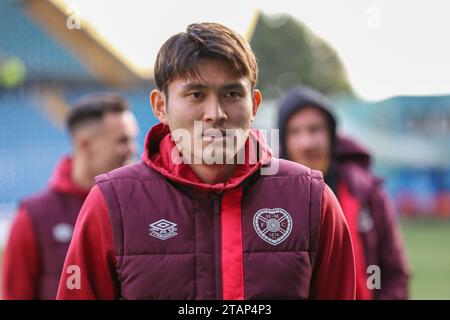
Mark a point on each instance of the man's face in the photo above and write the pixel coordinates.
(113, 145)
(308, 139)
(218, 99)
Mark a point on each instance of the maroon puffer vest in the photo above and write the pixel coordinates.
(53, 215)
(187, 265)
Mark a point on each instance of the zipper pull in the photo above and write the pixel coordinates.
(217, 202)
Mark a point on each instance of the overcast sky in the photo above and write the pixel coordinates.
(389, 47)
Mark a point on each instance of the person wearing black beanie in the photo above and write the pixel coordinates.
(308, 136)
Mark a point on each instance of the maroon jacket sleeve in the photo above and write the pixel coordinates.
(21, 260)
(89, 269)
(395, 272)
(334, 270)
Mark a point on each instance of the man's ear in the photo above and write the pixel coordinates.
(256, 100)
(158, 102)
(82, 141)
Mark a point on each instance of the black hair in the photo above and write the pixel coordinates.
(93, 107)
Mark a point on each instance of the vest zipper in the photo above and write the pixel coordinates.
(217, 199)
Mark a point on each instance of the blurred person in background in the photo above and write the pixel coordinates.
(103, 132)
(308, 136)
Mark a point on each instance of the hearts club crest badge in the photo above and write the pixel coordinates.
(272, 225)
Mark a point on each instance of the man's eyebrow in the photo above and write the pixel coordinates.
(194, 86)
(200, 86)
(234, 86)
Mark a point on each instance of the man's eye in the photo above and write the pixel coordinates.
(196, 94)
(293, 132)
(315, 129)
(233, 94)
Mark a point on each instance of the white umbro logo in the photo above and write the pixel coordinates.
(163, 229)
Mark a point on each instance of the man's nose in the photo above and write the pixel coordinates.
(214, 111)
(306, 142)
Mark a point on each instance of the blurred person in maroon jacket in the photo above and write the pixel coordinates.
(308, 136)
(103, 131)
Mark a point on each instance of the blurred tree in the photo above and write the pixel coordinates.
(289, 53)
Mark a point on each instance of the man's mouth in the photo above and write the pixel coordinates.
(211, 135)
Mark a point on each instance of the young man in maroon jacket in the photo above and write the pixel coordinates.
(308, 136)
(103, 131)
(209, 213)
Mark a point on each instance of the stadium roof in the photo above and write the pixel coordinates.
(43, 56)
(134, 34)
(36, 31)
